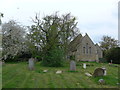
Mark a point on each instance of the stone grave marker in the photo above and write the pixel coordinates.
(98, 72)
(72, 66)
(31, 64)
(101, 81)
(88, 74)
(58, 72)
(45, 71)
(84, 65)
(105, 72)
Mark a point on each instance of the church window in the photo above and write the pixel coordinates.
(90, 50)
(84, 50)
(87, 48)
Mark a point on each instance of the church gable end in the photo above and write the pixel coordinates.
(87, 45)
(84, 49)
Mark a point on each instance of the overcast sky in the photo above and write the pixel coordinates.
(95, 17)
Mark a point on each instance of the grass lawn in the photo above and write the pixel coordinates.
(17, 75)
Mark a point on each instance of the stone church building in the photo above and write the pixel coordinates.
(83, 49)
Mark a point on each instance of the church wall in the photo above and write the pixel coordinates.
(99, 51)
(86, 50)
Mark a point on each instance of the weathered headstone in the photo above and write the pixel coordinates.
(98, 72)
(72, 66)
(84, 65)
(105, 72)
(88, 74)
(31, 64)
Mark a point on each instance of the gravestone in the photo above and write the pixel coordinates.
(105, 72)
(88, 74)
(72, 66)
(45, 71)
(84, 65)
(98, 72)
(101, 81)
(58, 72)
(31, 64)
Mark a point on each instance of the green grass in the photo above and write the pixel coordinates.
(17, 75)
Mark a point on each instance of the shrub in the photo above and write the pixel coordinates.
(22, 56)
(102, 60)
(114, 55)
(72, 57)
(53, 58)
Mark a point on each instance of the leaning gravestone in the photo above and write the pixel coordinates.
(98, 72)
(59, 72)
(31, 64)
(88, 74)
(72, 66)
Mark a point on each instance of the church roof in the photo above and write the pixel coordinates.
(98, 46)
(75, 42)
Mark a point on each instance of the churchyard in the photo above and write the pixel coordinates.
(18, 75)
(40, 55)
